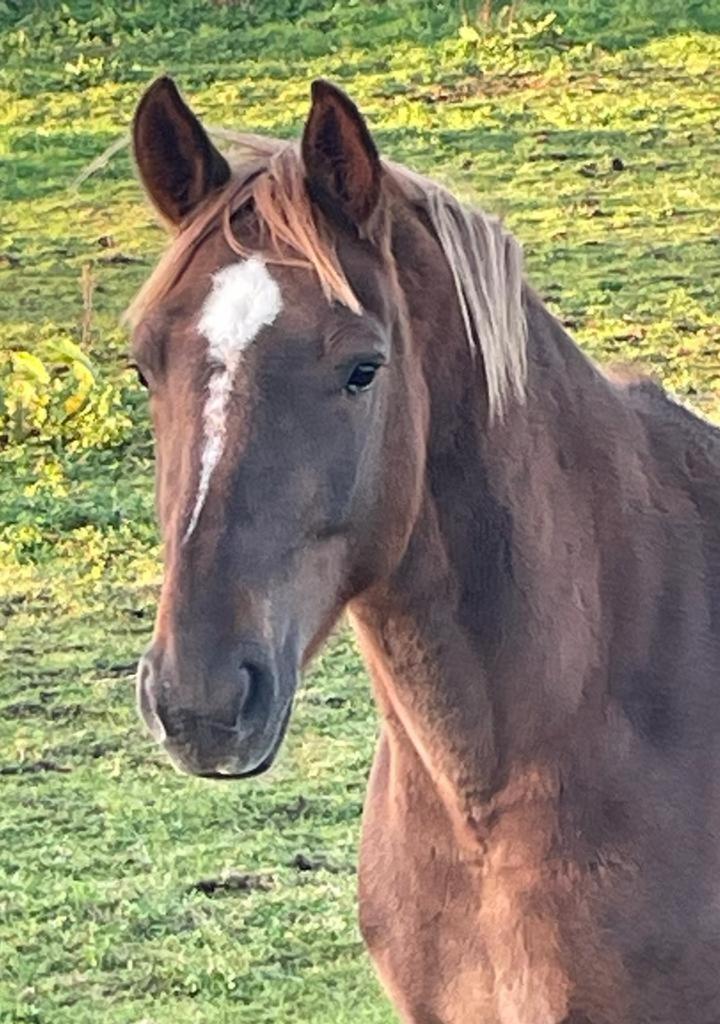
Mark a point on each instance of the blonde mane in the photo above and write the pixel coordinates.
(484, 259)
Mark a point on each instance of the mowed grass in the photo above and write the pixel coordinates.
(129, 894)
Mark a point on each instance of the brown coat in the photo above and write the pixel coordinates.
(529, 551)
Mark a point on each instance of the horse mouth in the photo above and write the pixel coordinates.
(234, 776)
(259, 769)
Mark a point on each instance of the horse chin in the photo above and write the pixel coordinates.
(231, 776)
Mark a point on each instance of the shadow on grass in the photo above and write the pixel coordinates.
(621, 25)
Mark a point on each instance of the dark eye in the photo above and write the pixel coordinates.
(361, 378)
(140, 375)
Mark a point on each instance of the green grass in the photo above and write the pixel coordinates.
(595, 134)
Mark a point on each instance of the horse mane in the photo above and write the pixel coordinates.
(485, 260)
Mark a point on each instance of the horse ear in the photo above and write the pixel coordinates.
(178, 164)
(341, 162)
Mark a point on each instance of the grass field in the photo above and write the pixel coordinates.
(129, 894)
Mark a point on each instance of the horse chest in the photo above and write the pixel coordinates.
(454, 950)
(454, 942)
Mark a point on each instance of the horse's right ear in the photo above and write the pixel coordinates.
(178, 164)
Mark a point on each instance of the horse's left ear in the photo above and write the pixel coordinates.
(341, 162)
(178, 164)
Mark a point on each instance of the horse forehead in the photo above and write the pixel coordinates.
(243, 298)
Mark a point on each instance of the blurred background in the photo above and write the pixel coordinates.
(130, 895)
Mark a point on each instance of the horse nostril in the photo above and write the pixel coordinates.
(147, 702)
(251, 691)
(234, 706)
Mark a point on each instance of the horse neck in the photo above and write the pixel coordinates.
(484, 643)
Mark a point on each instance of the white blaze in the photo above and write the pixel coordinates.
(243, 299)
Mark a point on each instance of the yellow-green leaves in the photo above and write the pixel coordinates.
(57, 394)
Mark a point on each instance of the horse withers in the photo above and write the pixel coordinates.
(359, 404)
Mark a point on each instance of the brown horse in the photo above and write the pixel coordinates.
(359, 404)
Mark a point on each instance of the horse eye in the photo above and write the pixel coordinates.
(140, 375)
(361, 378)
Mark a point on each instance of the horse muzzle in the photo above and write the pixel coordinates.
(228, 725)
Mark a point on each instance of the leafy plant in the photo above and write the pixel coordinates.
(55, 394)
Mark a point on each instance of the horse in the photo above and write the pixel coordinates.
(359, 404)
